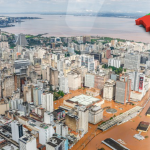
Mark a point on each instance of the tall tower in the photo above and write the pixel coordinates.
(20, 42)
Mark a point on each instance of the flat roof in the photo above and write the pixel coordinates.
(148, 112)
(84, 100)
(54, 141)
(114, 145)
(120, 118)
(143, 126)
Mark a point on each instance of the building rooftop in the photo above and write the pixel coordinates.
(26, 138)
(143, 126)
(84, 100)
(114, 145)
(54, 141)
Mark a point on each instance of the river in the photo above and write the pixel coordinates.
(65, 26)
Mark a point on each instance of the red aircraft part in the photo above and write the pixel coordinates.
(145, 21)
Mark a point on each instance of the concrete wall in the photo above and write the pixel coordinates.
(71, 122)
(3, 108)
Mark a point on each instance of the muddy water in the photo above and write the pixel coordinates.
(63, 26)
(124, 131)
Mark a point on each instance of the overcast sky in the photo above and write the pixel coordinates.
(13, 6)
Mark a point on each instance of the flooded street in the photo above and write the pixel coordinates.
(125, 131)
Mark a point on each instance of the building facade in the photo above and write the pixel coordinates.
(109, 90)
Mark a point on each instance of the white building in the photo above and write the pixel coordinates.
(74, 80)
(45, 133)
(15, 103)
(114, 62)
(61, 129)
(83, 119)
(17, 130)
(35, 96)
(60, 65)
(132, 61)
(63, 84)
(27, 142)
(89, 80)
(48, 117)
(47, 101)
(41, 53)
(95, 114)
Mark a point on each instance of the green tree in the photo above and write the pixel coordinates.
(105, 66)
(61, 93)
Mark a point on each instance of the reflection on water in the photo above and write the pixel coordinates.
(80, 25)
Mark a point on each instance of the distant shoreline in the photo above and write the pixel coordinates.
(7, 21)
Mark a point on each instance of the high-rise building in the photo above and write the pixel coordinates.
(123, 90)
(83, 119)
(71, 49)
(27, 93)
(108, 54)
(63, 84)
(8, 86)
(35, 96)
(14, 104)
(109, 90)
(28, 142)
(54, 77)
(97, 56)
(61, 129)
(114, 62)
(21, 66)
(17, 130)
(3, 41)
(88, 62)
(132, 61)
(47, 101)
(137, 81)
(77, 120)
(95, 114)
(45, 133)
(20, 42)
(60, 65)
(48, 118)
(144, 59)
(89, 80)
(100, 80)
(74, 80)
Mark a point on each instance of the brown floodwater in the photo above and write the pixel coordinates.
(124, 131)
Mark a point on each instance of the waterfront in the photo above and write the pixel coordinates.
(64, 26)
